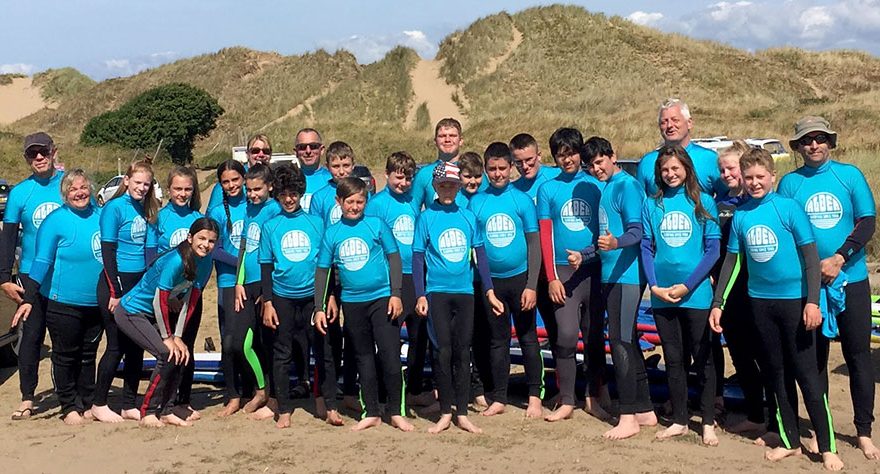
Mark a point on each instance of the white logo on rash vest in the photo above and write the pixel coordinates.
(603, 221)
(335, 214)
(253, 237)
(178, 236)
(42, 211)
(354, 253)
(576, 214)
(306, 202)
(676, 228)
(296, 245)
(237, 227)
(500, 230)
(96, 246)
(404, 228)
(138, 229)
(824, 210)
(761, 243)
(453, 245)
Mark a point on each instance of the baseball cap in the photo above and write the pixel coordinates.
(446, 171)
(38, 139)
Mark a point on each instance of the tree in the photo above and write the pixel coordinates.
(175, 114)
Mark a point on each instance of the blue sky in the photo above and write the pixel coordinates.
(110, 38)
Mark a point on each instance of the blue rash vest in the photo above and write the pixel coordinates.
(255, 216)
(290, 242)
(705, 164)
(28, 204)
(620, 205)
(530, 186)
(399, 212)
(359, 249)
(171, 227)
(446, 235)
(166, 273)
(123, 223)
(229, 240)
(571, 202)
(504, 217)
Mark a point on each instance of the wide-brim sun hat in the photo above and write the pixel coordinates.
(810, 124)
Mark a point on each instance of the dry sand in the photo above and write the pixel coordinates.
(18, 100)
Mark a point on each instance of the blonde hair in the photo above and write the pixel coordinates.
(258, 137)
(151, 204)
(69, 178)
(737, 148)
(195, 202)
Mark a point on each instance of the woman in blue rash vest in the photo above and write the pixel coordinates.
(171, 228)
(157, 311)
(568, 209)
(230, 216)
(620, 232)
(243, 328)
(680, 222)
(770, 233)
(288, 254)
(30, 201)
(124, 221)
(365, 253)
(445, 236)
(65, 271)
(509, 223)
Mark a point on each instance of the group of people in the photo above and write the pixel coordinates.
(310, 264)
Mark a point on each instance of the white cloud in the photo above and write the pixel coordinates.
(119, 64)
(120, 67)
(645, 18)
(368, 49)
(17, 68)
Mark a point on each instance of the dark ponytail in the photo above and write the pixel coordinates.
(185, 248)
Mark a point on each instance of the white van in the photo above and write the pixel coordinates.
(239, 154)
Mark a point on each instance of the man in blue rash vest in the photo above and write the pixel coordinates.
(676, 124)
(509, 223)
(29, 202)
(397, 207)
(620, 232)
(840, 205)
(309, 147)
(445, 237)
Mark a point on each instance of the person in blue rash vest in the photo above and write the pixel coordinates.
(157, 311)
(676, 124)
(507, 218)
(620, 233)
(259, 150)
(840, 205)
(124, 222)
(29, 202)
(231, 217)
(568, 208)
(65, 272)
(448, 138)
(527, 158)
(288, 255)
(309, 147)
(365, 253)
(247, 330)
(397, 207)
(340, 161)
(680, 222)
(773, 236)
(444, 238)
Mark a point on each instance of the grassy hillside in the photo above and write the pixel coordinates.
(59, 84)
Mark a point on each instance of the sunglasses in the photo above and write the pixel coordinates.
(309, 146)
(31, 153)
(256, 151)
(820, 138)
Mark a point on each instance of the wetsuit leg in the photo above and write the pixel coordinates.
(119, 345)
(629, 365)
(526, 333)
(416, 330)
(855, 341)
(695, 323)
(450, 322)
(359, 331)
(325, 364)
(572, 317)
(283, 350)
(671, 338)
(386, 334)
(30, 346)
(509, 291)
(67, 329)
(481, 362)
(739, 332)
(237, 361)
(190, 334)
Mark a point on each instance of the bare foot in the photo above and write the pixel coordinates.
(262, 413)
(25, 410)
(195, 415)
(769, 439)
(151, 421)
(480, 402)
(333, 418)
(320, 408)
(465, 424)
(231, 407)
(421, 400)
(442, 424)
(832, 461)
(868, 449)
(779, 453)
(73, 418)
(131, 414)
(562, 413)
(352, 403)
(674, 430)
(647, 418)
(174, 420)
(283, 421)
(496, 408)
(811, 444)
(535, 409)
(367, 423)
(88, 415)
(594, 408)
(257, 402)
(104, 414)
(627, 427)
(709, 436)
(747, 426)
(401, 423)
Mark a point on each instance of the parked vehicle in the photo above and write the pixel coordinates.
(362, 172)
(239, 154)
(4, 196)
(109, 188)
(774, 146)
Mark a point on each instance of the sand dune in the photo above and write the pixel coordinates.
(19, 99)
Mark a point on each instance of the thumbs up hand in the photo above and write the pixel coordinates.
(607, 242)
